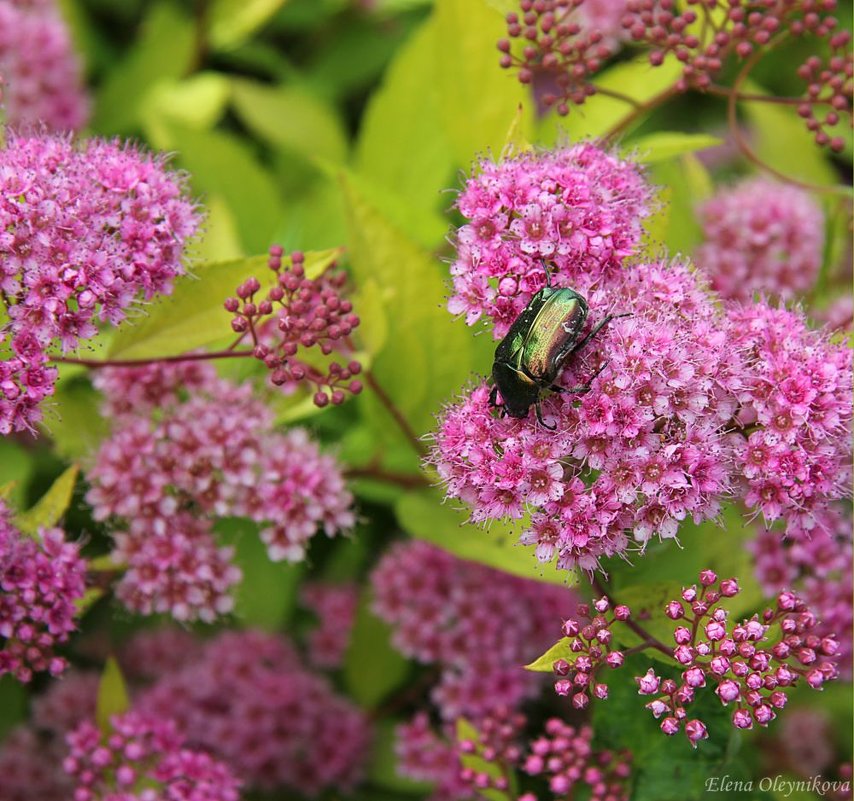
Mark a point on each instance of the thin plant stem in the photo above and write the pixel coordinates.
(181, 357)
(397, 415)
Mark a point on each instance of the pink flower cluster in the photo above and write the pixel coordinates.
(645, 448)
(335, 608)
(579, 208)
(248, 700)
(740, 660)
(41, 74)
(497, 745)
(590, 643)
(298, 313)
(41, 579)
(142, 758)
(818, 563)
(442, 610)
(566, 755)
(83, 233)
(762, 237)
(795, 402)
(168, 471)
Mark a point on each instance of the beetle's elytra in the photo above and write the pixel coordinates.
(538, 344)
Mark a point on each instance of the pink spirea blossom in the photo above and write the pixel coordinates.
(579, 208)
(447, 611)
(213, 449)
(151, 653)
(761, 237)
(84, 231)
(335, 608)
(818, 564)
(66, 702)
(41, 579)
(42, 76)
(795, 399)
(566, 756)
(143, 759)
(752, 665)
(644, 449)
(249, 701)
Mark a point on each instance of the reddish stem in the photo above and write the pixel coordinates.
(181, 357)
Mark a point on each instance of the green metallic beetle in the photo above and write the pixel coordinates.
(538, 344)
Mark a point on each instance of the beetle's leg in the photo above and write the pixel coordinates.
(539, 411)
(596, 329)
(581, 388)
(493, 396)
(548, 274)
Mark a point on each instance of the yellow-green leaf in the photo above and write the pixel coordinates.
(423, 515)
(113, 698)
(232, 22)
(560, 650)
(466, 732)
(663, 145)
(50, 508)
(196, 102)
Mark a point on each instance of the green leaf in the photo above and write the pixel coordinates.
(478, 98)
(780, 139)
(232, 22)
(222, 164)
(50, 508)
(13, 704)
(600, 114)
(681, 231)
(560, 650)
(71, 424)
(193, 316)
(267, 595)
(372, 667)
(423, 515)
(290, 117)
(89, 598)
(401, 144)
(16, 469)
(164, 50)
(430, 355)
(466, 732)
(113, 698)
(664, 145)
(647, 602)
(196, 102)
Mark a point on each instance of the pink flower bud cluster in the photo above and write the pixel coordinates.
(41, 74)
(335, 608)
(829, 83)
(645, 448)
(447, 611)
(738, 660)
(83, 233)
(762, 237)
(818, 563)
(590, 643)
(142, 758)
(795, 402)
(565, 755)
(31, 754)
(298, 313)
(496, 744)
(564, 42)
(249, 701)
(579, 208)
(169, 472)
(41, 580)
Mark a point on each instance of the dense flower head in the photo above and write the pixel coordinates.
(151, 653)
(494, 742)
(752, 665)
(565, 754)
(66, 702)
(31, 766)
(447, 611)
(335, 608)
(579, 208)
(761, 236)
(142, 758)
(85, 232)
(818, 564)
(206, 453)
(41, 74)
(248, 700)
(41, 579)
(795, 401)
(643, 449)
(298, 313)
